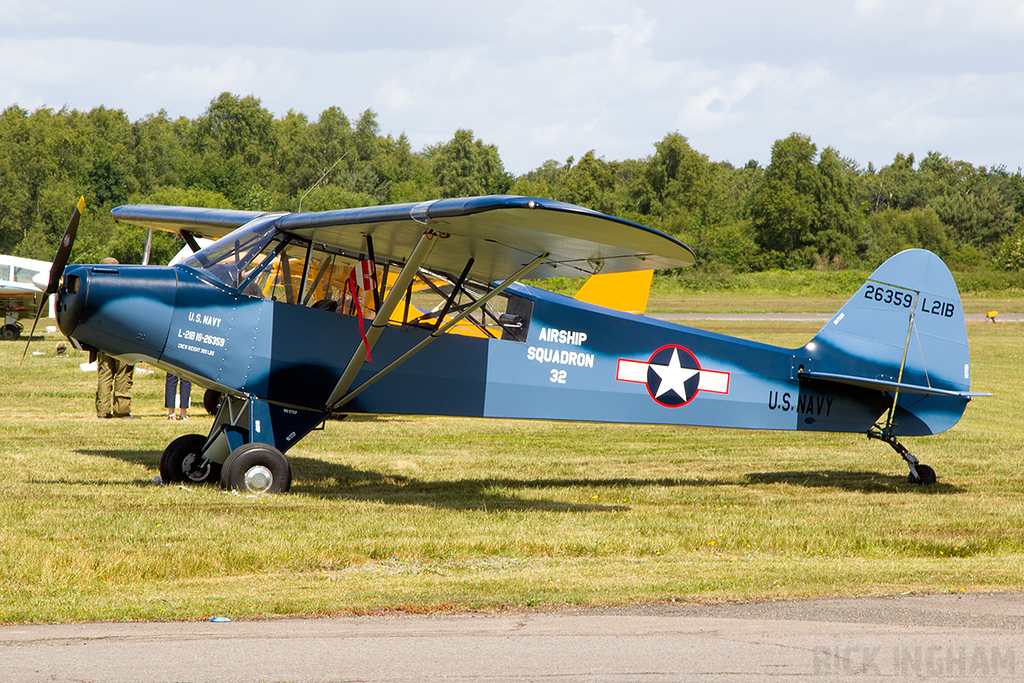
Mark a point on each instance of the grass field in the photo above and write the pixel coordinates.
(426, 514)
(797, 303)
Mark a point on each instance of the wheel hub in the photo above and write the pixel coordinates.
(195, 469)
(258, 479)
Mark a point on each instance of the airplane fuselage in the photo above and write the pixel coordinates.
(576, 361)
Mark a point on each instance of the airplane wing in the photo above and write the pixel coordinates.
(208, 223)
(500, 233)
(23, 289)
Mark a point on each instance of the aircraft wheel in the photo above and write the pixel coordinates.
(925, 476)
(182, 461)
(10, 331)
(256, 468)
(211, 401)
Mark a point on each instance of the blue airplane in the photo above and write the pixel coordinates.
(417, 309)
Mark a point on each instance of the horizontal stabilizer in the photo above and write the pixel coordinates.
(887, 385)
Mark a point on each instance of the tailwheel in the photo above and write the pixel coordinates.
(925, 475)
(256, 468)
(183, 461)
(919, 473)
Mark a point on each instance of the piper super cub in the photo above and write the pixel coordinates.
(416, 309)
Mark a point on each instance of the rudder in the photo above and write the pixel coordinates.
(902, 332)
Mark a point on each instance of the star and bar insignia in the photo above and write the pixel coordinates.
(672, 376)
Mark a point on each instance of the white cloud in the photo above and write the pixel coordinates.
(551, 80)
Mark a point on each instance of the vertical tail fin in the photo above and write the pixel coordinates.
(903, 333)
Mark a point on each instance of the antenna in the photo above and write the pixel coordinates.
(321, 179)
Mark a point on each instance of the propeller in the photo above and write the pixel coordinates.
(60, 260)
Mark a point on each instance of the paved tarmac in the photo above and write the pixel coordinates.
(904, 638)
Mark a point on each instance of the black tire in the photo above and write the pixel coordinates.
(182, 462)
(211, 401)
(256, 468)
(10, 332)
(925, 475)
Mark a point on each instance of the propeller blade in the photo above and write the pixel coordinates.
(63, 254)
(60, 260)
(42, 305)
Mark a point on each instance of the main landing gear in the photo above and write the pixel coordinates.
(183, 462)
(256, 468)
(245, 448)
(919, 473)
(250, 468)
(11, 331)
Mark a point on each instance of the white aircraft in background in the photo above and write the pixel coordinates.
(22, 282)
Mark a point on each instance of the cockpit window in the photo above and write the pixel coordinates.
(233, 257)
(259, 261)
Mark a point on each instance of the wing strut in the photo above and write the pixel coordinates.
(333, 405)
(416, 258)
(190, 240)
(455, 293)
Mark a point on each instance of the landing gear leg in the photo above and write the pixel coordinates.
(919, 473)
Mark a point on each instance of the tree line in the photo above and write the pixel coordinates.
(807, 208)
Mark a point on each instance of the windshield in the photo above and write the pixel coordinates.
(232, 258)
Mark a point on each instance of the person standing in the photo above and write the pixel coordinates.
(113, 381)
(113, 386)
(171, 392)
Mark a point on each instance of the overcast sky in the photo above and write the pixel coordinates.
(550, 79)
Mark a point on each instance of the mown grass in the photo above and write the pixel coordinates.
(793, 303)
(807, 291)
(432, 513)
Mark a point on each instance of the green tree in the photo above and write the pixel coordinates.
(232, 146)
(295, 166)
(674, 181)
(540, 182)
(804, 209)
(1011, 250)
(15, 190)
(112, 143)
(893, 230)
(895, 186)
(159, 151)
(590, 183)
(783, 208)
(466, 167)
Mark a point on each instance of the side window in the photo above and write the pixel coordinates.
(235, 258)
(24, 275)
(315, 277)
(516, 321)
(280, 279)
(506, 316)
(321, 285)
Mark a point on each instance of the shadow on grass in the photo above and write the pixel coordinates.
(864, 482)
(332, 481)
(144, 458)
